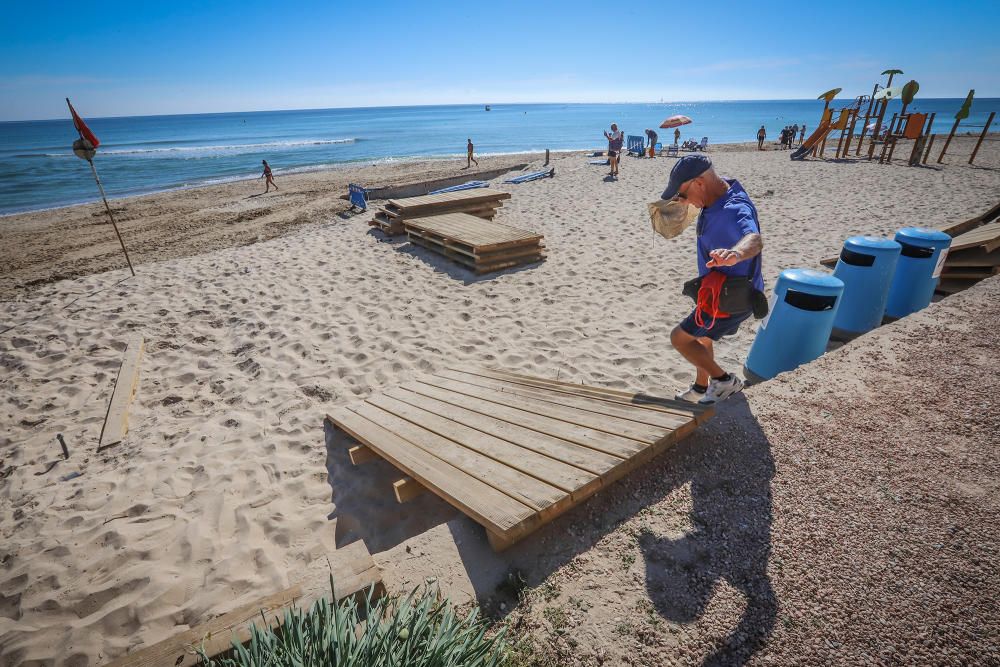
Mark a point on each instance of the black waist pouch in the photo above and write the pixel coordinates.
(738, 295)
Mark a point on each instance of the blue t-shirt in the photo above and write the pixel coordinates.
(722, 225)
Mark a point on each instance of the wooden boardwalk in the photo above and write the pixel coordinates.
(476, 243)
(512, 451)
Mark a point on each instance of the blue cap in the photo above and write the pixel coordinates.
(688, 167)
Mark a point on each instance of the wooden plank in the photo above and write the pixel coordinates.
(575, 455)
(972, 257)
(470, 263)
(474, 232)
(446, 199)
(986, 237)
(480, 501)
(407, 489)
(529, 462)
(581, 435)
(361, 454)
(631, 412)
(116, 419)
(611, 425)
(353, 570)
(697, 412)
(392, 415)
(969, 273)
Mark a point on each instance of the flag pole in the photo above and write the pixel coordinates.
(85, 148)
(104, 197)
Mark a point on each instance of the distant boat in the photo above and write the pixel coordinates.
(487, 107)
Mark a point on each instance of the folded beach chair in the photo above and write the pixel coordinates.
(533, 176)
(604, 162)
(672, 150)
(464, 186)
(358, 197)
(703, 146)
(635, 145)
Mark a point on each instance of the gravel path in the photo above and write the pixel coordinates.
(845, 513)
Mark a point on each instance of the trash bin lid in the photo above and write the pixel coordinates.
(872, 245)
(812, 282)
(923, 237)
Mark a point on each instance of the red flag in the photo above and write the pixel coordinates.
(82, 128)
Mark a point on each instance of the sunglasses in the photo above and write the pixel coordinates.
(682, 191)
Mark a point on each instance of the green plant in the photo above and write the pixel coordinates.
(417, 630)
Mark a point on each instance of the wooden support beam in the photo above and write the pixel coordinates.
(360, 454)
(947, 142)
(930, 144)
(116, 419)
(986, 128)
(407, 489)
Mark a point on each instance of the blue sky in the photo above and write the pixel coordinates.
(132, 58)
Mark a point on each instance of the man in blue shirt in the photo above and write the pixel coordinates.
(728, 242)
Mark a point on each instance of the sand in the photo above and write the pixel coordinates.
(228, 483)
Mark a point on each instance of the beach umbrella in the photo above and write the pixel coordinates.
(891, 73)
(675, 121)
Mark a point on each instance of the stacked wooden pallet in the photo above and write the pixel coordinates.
(974, 255)
(481, 245)
(481, 202)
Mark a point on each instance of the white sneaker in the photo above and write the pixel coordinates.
(690, 396)
(721, 390)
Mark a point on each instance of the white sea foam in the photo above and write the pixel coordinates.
(225, 148)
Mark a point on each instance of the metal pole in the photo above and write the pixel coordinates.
(108, 207)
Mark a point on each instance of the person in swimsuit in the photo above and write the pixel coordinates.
(269, 176)
(469, 158)
(761, 136)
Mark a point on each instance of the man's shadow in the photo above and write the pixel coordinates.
(730, 537)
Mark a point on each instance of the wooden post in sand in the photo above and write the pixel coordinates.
(927, 153)
(546, 158)
(986, 128)
(947, 141)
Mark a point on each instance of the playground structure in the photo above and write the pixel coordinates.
(913, 126)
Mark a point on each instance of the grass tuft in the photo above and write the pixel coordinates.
(417, 630)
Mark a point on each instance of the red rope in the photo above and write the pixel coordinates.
(708, 299)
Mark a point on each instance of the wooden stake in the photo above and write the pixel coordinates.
(986, 128)
(878, 125)
(947, 141)
(928, 151)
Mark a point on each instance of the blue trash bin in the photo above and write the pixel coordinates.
(866, 265)
(798, 327)
(917, 270)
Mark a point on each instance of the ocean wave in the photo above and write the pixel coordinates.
(225, 148)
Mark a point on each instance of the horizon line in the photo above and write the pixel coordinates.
(464, 104)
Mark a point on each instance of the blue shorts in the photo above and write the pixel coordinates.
(724, 326)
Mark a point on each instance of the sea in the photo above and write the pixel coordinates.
(144, 154)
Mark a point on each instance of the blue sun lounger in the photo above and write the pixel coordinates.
(358, 196)
(464, 186)
(533, 176)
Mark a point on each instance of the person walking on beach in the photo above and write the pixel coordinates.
(615, 141)
(728, 243)
(761, 136)
(469, 159)
(269, 176)
(802, 134)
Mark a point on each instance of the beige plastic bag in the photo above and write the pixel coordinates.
(670, 218)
